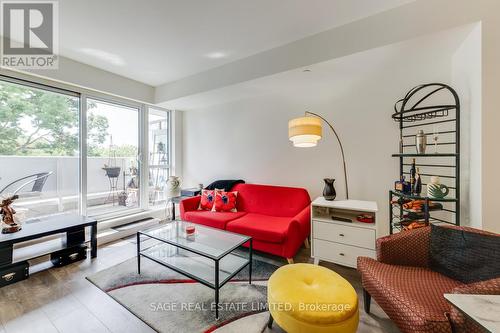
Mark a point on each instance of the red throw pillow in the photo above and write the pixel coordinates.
(225, 201)
(207, 200)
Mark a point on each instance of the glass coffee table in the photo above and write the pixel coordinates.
(208, 256)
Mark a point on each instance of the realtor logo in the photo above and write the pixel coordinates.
(29, 32)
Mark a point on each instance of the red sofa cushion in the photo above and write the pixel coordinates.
(211, 219)
(267, 228)
(271, 200)
(412, 296)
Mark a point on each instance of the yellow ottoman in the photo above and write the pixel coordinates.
(305, 298)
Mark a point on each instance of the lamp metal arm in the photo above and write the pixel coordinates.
(341, 148)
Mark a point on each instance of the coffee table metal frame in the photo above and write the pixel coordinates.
(216, 285)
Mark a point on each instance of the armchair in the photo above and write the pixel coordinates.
(410, 293)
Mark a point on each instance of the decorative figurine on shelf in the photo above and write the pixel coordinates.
(8, 215)
(421, 142)
(437, 190)
(329, 192)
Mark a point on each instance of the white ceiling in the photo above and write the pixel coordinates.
(335, 78)
(160, 41)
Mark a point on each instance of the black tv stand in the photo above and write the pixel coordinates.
(71, 224)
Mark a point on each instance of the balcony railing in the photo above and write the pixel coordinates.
(60, 192)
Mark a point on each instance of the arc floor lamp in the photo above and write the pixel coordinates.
(306, 131)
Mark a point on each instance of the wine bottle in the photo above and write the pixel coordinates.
(418, 183)
(413, 172)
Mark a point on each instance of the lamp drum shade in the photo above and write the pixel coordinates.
(305, 131)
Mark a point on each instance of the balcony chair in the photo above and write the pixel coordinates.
(38, 180)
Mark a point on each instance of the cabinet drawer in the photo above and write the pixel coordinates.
(344, 234)
(340, 253)
(14, 273)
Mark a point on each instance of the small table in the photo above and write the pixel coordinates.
(482, 309)
(206, 257)
(176, 200)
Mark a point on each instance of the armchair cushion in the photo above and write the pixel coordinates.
(463, 255)
(403, 293)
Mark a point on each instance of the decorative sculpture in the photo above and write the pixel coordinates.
(173, 186)
(8, 215)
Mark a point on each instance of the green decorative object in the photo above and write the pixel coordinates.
(437, 190)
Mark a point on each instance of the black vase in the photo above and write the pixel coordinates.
(329, 191)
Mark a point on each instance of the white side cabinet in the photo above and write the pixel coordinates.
(342, 242)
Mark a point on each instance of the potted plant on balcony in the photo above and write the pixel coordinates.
(112, 171)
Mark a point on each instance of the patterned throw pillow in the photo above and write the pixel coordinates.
(225, 201)
(207, 200)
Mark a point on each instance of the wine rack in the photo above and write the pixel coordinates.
(435, 109)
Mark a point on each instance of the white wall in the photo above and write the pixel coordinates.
(248, 138)
(402, 23)
(466, 79)
(490, 118)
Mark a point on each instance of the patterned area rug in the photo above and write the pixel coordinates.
(169, 302)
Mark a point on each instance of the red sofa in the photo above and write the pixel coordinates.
(276, 217)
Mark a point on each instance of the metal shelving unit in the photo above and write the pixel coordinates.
(423, 109)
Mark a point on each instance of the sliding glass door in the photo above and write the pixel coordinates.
(39, 148)
(64, 151)
(112, 170)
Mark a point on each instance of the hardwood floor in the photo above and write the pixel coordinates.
(62, 300)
